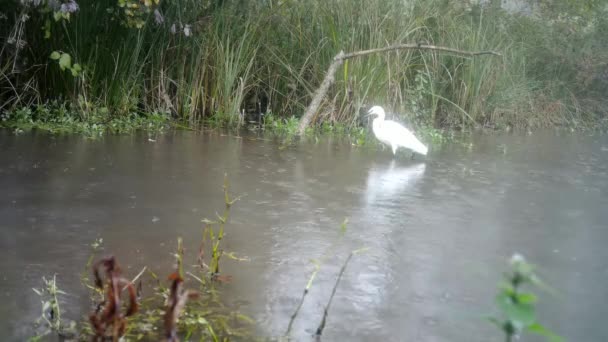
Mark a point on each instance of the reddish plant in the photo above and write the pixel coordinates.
(108, 313)
(175, 304)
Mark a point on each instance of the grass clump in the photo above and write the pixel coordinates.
(50, 320)
(60, 118)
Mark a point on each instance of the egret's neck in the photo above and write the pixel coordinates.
(377, 123)
(379, 119)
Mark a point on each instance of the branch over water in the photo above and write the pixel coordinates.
(341, 57)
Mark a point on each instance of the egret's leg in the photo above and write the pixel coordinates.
(394, 149)
(412, 157)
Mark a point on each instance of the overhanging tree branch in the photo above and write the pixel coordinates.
(340, 57)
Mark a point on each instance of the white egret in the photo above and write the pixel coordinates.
(394, 134)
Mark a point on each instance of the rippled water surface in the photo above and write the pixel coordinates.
(439, 230)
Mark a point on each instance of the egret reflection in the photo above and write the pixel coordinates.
(392, 182)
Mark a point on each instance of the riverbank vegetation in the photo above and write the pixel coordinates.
(118, 65)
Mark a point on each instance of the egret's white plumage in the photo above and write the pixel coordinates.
(394, 134)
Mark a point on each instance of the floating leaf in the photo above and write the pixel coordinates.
(55, 55)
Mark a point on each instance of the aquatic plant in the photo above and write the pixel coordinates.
(518, 307)
(321, 326)
(214, 238)
(51, 311)
(175, 304)
(329, 252)
(108, 314)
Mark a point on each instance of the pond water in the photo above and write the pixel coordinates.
(439, 231)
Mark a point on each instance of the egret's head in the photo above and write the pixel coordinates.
(377, 110)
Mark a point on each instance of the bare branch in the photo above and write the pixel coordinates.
(419, 47)
(340, 57)
(320, 93)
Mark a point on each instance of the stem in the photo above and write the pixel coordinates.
(333, 292)
(306, 289)
(136, 277)
(58, 317)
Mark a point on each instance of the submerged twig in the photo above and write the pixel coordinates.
(312, 277)
(304, 293)
(333, 292)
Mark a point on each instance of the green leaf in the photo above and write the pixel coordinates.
(77, 67)
(65, 61)
(536, 328)
(74, 72)
(495, 321)
(46, 306)
(57, 16)
(47, 29)
(346, 71)
(343, 225)
(521, 315)
(55, 55)
(526, 298)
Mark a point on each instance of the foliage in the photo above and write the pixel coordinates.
(235, 62)
(51, 311)
(518, 307)
(65, 62)
(57, 118)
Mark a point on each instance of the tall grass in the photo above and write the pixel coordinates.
(214, 59)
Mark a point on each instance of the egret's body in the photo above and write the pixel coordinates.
(394, 134)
